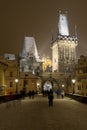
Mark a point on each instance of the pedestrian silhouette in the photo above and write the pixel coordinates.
(62, 94)
(50, 97)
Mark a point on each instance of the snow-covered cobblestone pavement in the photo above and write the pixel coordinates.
(35, 114)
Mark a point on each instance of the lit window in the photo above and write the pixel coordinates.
(79, 87)
(11, 84)
(86, 86)
(11, 74)
(54, 60)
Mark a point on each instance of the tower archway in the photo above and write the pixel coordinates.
(50, 83)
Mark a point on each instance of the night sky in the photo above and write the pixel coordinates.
(39, 18)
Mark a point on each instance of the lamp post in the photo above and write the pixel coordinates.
(16, 81)
(73, 87)
(4, 89)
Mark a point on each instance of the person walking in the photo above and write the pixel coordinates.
(62, 94)
(50, 97)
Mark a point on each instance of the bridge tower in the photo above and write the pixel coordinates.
(64, 47)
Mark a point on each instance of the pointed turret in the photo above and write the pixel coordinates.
(76, 37)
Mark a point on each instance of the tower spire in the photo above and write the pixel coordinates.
(63, 24)
(76, 31)
(52, 38)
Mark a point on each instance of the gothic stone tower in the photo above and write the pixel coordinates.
(64, 47)
(29, 55)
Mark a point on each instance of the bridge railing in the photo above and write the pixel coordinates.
(10, 98)
(77, 97)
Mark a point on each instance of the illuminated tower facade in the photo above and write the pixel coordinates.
(29, 55)
(30, 48)
(64, 47)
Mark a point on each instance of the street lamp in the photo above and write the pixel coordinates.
(62, 85)
(16, 81)
(73, 82)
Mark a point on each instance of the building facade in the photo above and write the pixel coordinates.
(11, 73)
(47, 64)
(81, 76)
(3, 67)
(12, 81)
